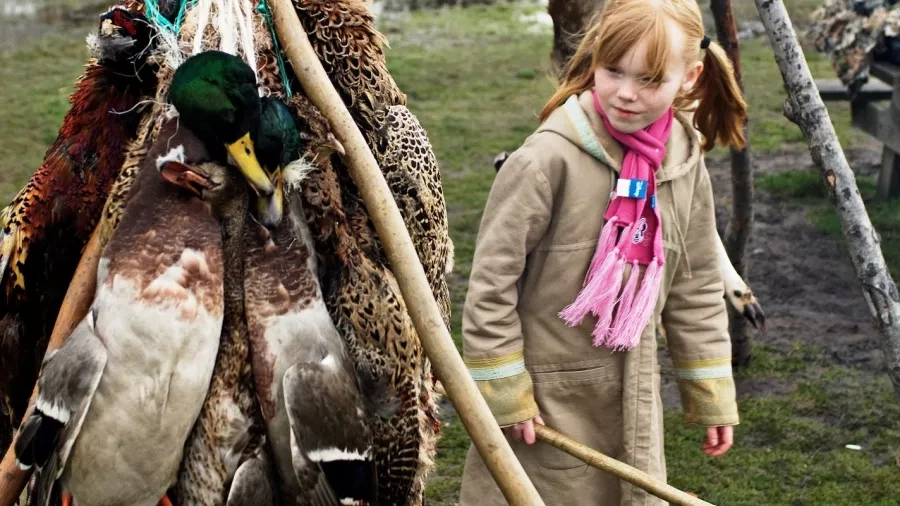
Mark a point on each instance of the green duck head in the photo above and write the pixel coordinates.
(277, 144)
(216, 96)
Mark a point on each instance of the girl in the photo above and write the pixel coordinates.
(560, 327)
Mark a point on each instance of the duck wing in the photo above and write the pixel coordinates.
(67, 384)
(331, 445)
(253, 483)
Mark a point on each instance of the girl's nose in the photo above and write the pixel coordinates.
(627, 91)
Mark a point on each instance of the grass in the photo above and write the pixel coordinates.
(808, 186)
(476, 79)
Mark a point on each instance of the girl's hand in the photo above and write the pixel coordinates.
(523, 431)
(718, 440)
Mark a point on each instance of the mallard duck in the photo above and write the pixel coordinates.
(46, 226)
(216, 96)
(228, 432)
(224, 101)
(225, 461)
(118, 400)
(309, 391)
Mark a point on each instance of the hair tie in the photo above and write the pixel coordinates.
(704, 43)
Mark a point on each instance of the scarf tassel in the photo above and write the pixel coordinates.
(635, 310)
(601, 285)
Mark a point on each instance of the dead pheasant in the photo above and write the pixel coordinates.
(46, 226)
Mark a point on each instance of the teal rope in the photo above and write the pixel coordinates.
(180, 18)
(263, 7)
(155, 16)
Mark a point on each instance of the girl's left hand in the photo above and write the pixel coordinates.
(718, 440)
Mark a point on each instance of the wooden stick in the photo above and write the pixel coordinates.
(596, 459)
(74, 307)
(426, 317)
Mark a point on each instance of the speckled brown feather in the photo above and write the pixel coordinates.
(360, 290)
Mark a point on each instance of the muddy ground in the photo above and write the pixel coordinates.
(802, 277)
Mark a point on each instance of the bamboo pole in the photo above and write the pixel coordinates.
(75, 305)
(426, 317)
(596, 459)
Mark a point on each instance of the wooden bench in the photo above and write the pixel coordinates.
(881, 121)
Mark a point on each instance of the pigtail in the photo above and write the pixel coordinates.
(721, 111)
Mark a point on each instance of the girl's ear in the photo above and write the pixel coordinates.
(691, 76)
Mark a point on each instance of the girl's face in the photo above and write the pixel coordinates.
(629, 99)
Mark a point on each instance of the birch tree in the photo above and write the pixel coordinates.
(806, 109)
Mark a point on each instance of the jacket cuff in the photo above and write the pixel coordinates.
(707, 391)
(506, 387)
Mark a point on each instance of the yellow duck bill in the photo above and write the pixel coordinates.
(243, 154)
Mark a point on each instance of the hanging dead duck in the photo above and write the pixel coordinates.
(316, 417)
(129, 383)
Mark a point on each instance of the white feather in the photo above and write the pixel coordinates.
(52, 410)
(294, 173)
(332, 454)
(175, 154)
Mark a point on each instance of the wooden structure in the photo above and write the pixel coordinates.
(881, 121)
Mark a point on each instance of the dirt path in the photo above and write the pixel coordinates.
(802, 277)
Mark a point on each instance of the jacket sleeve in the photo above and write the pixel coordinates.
(696, 320)
(514, 221)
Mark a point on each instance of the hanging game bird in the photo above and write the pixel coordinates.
(47, 224)
(226, 460)
(118, 399)
(312, 400)
(360, 290)
(173, 312)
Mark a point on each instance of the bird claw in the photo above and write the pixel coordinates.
(754, 314)
(748, 306)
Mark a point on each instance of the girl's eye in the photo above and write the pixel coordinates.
(612, 70)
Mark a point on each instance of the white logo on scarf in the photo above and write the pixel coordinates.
(639, 230)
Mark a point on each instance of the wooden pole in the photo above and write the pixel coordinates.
(75, 306)
(804, 107)
(426, 317)
(596, 459)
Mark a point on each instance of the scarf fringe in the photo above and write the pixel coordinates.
(636, 313)
(600, 288)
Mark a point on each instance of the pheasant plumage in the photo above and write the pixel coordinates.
(48, 223)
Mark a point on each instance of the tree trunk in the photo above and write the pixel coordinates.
(571, 18)
(805, 108)
(737, 234)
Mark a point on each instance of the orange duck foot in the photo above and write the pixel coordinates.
(165, 501)
(66, 499)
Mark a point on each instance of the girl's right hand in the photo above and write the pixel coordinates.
(523, 431)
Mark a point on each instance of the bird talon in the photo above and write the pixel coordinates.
(754, 314)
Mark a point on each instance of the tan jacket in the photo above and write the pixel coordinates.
(537, 237)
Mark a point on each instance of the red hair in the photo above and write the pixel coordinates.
(720, 112)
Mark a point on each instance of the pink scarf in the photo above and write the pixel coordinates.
(632, 234)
